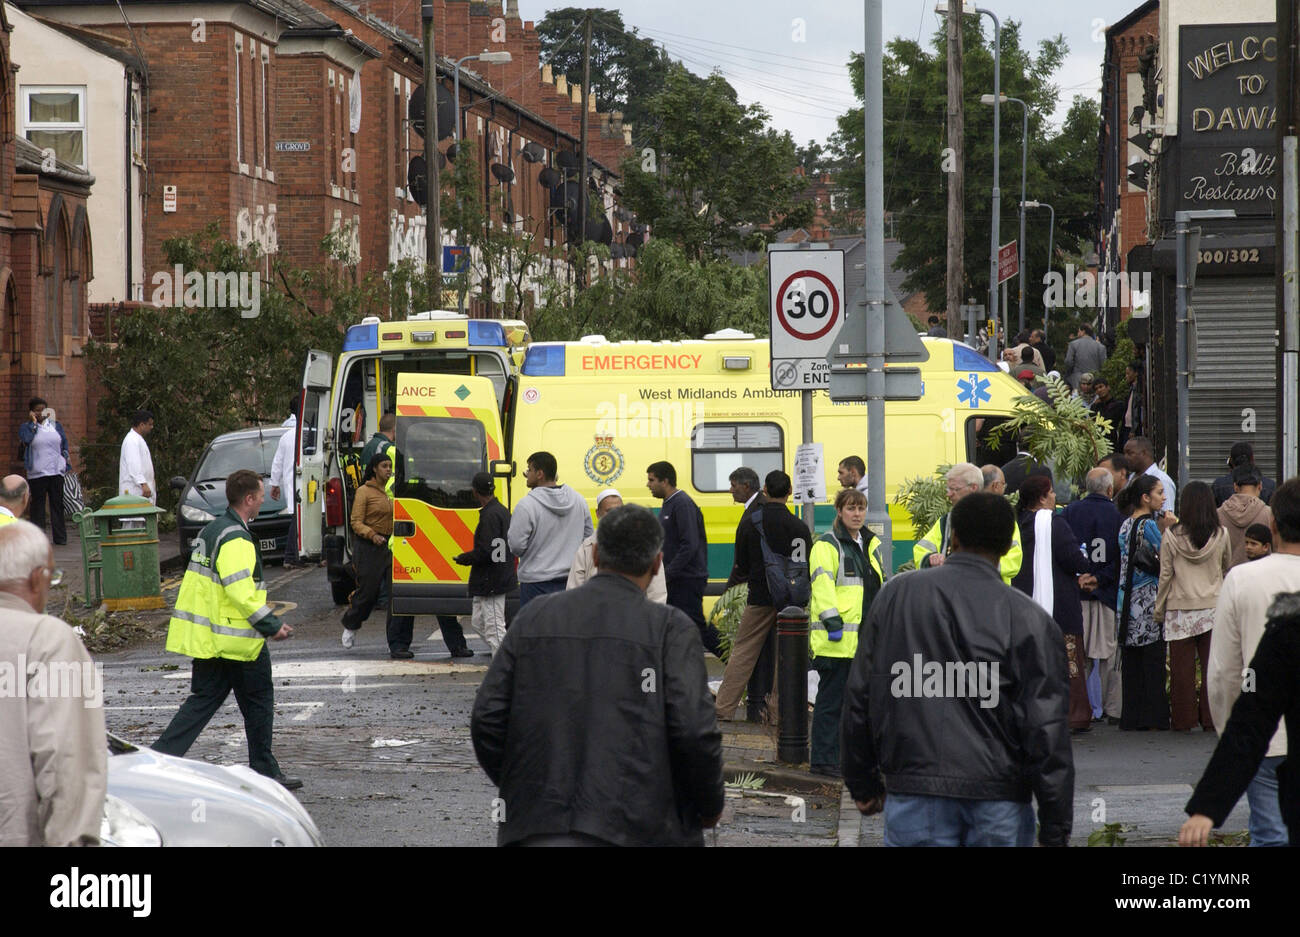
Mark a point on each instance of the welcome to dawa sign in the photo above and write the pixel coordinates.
(1227, 117)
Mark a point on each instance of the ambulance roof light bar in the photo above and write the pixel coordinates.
(723, 335)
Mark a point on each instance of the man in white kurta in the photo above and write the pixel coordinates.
(135, 467)
(282, 481)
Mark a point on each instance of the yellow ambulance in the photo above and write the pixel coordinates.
(607, 410)
(448, 429)
(343, 400)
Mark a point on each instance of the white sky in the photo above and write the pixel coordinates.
(804, 84)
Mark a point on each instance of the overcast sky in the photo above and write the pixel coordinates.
(804, 84)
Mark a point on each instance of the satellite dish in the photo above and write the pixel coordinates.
(616, 252)
(566, 159)
(503, 173)
(533, 152)
(549, 178)
(629, 250)
(416, 179)
(446, 112)
(565, 198)
(451, 153)
(600, 232)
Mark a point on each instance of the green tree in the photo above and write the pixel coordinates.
(666, 296)
(715, 170)
(626, 69)
(1061, 166)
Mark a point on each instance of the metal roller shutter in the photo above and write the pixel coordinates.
(1234, 388)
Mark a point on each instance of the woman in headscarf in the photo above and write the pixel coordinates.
(1052, 573)
(372, 525)
(1145, 704)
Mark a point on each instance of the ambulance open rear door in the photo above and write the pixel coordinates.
(313, 418)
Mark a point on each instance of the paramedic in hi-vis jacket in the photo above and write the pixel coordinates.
(931, 550)
(222, 620)
(847, 572)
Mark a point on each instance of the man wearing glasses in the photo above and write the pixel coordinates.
(931, 550)
(53, 751)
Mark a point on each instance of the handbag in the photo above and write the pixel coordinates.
(1142, 555)
(74, 501)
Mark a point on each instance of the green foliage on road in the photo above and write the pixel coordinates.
(1064, 434)
(715, 171)
(925, 499)
(726, 615)
(665, 296)
(1061, 164)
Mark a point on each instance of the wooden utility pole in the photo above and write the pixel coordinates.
(582, 142)
(433, 186)
(956, 178)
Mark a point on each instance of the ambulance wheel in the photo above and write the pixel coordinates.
(342, 590)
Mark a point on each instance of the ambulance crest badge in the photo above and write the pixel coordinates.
(603, 462)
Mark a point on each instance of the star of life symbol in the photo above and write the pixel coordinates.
(974, 389)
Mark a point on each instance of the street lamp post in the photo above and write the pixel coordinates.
(1024, 169)
(970, 8)
(490, 58)
(1051, 228)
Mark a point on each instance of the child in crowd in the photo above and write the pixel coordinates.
(1258, 541)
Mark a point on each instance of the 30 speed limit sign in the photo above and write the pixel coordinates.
(806, 301)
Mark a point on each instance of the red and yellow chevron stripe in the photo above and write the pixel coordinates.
(484, 415)
(440, 534)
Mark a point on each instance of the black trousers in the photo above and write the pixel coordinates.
(832, 677)
(374, 570)
(211, 681)
(51, 487)
(1144, 703)
(688, 595)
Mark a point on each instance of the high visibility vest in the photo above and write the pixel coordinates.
(838, 589)
(7, 519)
(391, 451)
(936, 540)
(222, 596)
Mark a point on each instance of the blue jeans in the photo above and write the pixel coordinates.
(1266, 826)
(531, 590)
(920, 820)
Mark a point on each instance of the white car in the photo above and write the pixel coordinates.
(160, 800)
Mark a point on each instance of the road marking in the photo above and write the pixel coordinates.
(309, 709)
(1144, 789)
(345, 667)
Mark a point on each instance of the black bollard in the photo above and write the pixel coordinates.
(792, 684)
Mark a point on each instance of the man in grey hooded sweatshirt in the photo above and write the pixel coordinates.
(546, 530)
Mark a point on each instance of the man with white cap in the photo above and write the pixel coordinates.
(584, 561)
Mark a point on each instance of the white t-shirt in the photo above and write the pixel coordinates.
(1171, 490)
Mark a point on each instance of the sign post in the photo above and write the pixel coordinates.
(805, 303)
(806, 306)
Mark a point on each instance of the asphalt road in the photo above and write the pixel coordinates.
(383, 746)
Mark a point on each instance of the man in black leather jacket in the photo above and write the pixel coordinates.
(956, 710)
(595, 718)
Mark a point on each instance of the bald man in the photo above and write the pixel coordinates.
(14, 497)
(994, 481)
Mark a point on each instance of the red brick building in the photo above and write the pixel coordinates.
(45, 263)
(283, 120)
(1122, 207)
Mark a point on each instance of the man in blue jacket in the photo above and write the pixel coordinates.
(1096, 521)
(686, 556)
